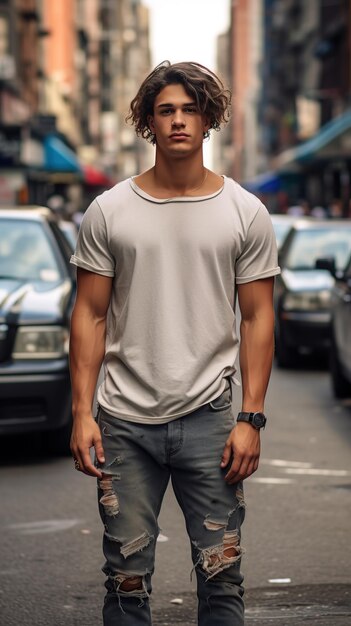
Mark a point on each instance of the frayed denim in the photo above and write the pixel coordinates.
(140, 460)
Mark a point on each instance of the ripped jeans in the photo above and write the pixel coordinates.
(139, 460)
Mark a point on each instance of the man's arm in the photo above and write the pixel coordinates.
(242, 447)
(87, 348)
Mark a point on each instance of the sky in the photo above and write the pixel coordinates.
(186, 30)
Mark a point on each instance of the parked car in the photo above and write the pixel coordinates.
(70, 231)
(281, 225)
(37, 287)
(303, 290)
(340, 348)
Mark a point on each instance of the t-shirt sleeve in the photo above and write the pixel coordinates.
(92, 250)
(259, 257)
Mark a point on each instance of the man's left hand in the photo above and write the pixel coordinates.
(242, 448)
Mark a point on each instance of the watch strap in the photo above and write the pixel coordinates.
(256, 419)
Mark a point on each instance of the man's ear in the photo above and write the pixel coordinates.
(150, 121)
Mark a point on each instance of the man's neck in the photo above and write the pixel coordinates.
(179, 178)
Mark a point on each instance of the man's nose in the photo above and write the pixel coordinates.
(178, 118)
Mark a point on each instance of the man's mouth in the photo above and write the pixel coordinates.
(179, 136)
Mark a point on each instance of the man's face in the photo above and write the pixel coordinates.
(178, 125)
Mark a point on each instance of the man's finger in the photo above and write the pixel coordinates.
(234, 468)
(99, 451)
(226, 455)
(248, 467)
(88, 467)
(240, 472)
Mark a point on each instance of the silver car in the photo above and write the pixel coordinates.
(310, 258)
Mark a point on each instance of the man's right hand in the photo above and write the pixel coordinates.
(86, 434)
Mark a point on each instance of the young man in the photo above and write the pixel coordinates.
(160, 260)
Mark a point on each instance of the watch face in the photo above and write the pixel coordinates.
(259, 420)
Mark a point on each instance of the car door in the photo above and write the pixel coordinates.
(342, 324)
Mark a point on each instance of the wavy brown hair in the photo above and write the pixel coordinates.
(207, 89)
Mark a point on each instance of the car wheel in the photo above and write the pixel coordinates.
(341, 386)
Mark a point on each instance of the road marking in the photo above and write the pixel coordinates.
(45, 526)
(270, 480)
(300, 468)
(284, 463)
(316, 472)
(176, 601)
(279, 581)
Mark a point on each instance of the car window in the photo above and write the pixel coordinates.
(70, 233)
(26, 252)
(309, 245)
(281, 229)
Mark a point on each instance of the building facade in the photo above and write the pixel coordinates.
(239, 54)
(305, 107)
(68, 71)
(290, 67)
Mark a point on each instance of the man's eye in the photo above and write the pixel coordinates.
(166, 111)
(190, 110)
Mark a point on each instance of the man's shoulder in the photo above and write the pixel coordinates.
(240, 193)
(245, 202)
(119, 192)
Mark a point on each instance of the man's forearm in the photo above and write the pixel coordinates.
(87, 346)
(256, 356)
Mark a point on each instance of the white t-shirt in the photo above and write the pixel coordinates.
(171, 334)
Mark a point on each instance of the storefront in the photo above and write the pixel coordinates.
(322, 165)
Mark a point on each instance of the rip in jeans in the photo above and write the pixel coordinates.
(219, 557)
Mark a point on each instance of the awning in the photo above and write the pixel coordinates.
(96, 177)
(269, 182)
(332, 141)
(54, 177)
(58, 156)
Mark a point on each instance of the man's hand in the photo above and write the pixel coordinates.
(85, 435)
(243, 448)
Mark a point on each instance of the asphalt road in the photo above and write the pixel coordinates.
(296, 533)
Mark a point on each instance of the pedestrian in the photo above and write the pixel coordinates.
(296, 210)
(161, 259)
(334, 210)
(319, 212)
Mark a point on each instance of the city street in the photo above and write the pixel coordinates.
(296, 534)
(129, 231)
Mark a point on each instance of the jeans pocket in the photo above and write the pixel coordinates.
(97, 414)
(223, 402)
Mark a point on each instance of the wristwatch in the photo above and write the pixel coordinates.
(257, 420)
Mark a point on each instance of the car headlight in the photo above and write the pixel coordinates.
(41, 342)
(307, 301)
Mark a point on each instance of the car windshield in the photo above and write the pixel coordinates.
(311, 244)
(281, 229)
(70, 232)
(25, 252)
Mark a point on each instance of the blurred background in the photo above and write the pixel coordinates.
(69, 69)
